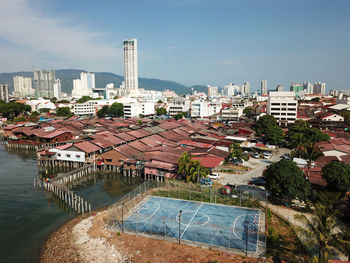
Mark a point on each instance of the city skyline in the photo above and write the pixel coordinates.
(264, 40)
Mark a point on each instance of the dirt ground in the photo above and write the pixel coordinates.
(87, 240)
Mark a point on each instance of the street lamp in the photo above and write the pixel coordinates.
(246, 236)
(180, 212)
(123, 217)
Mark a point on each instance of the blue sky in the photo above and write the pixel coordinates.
(190, 41)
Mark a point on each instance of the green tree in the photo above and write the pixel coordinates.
(236, 151)
(161, 111)
(317, 99)
(62, 101)
(63, 112)
(159, 101)
(274, 135)
(247, 111)
(185, 114)
(285, 180)
(263, 123)
(346, 116)
(53, 100)
(84, 99)
(190, 169)
(103, 112)
(20, 119)
(178, 116)
(337, 175)
(311, 153)
(44, 110)
(34, 116)
(322, 230)
(115, 97)
(116, 110)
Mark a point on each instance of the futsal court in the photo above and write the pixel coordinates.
(206, 223)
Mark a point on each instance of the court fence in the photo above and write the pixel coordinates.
(246, 236)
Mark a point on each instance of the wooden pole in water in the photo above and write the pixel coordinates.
(90, 208)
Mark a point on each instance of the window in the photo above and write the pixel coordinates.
(77, 156)
(59, 155)
(109, 160)
(275, 104)
(68, 155)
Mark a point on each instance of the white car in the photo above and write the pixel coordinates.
(214, 176)
(267, 156)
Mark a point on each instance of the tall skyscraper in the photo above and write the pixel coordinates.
(213, 91)
(44, 81)
(4, 92)
(22, 86)
(308, 87)
(245, 88)
(130, 64)
(83, 86)
(264, 87)
(320, 88)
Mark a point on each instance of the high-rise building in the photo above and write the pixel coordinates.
(4, 92)
(308, 88)
(44, 81)
(245, 88)
(22, 86)
(264, 87)
(83, 86)
(297, 88)
(130, 64)
(213, 91)
(320, 88)
(283, 106)
(279, 88)
(57, 89)
(230, 90)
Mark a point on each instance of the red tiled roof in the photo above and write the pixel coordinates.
(87, 147)
(167, 157)
(64, 146)
(170, 135)
(148, 141)
(137, 134)
(128, 151)
(169, 125)
(125, 137)
(139, 146)
(102, 143)
(209, 162)
(157, 138)
(194, 144)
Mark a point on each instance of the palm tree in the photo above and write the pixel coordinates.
(311, 153)
(183, 164)
(323, 259)
(321, 230)
(190, 169)
(236, 151)
(298, 144)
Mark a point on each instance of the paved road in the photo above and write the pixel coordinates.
(257, 165)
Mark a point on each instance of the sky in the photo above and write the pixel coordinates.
(207, 42)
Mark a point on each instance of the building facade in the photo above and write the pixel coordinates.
(283, 106)
(4, 92)
(22, 86)
(263, 88)
(213, 91)
(134, 109)
(178, 106)
(130, 64)
(320, 88)
(83, 86)
(44, 81)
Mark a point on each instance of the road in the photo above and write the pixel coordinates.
(257, 165)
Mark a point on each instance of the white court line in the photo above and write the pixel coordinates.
(191, 220)
(136, 222)
(234, 232)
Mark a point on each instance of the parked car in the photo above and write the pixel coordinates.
(237, 161)
(255, 155)
(214, 176)
(267, 156)
(206, 181)
(286, 156)
(267, 153)
(258, 181)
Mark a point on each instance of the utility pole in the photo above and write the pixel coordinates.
(180, 212)
(123, 217)
(246, 236)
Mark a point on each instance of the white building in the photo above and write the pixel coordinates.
(213, 91)
(202, 108)
(230, 90)
(319, 88)
(4, 92)
(130, 64)
(57, 89)
(308, 88)
(245, 88)
(134, 109)
(38, 104)
(332, 117)
(178, 106)
(22, 86)
(87, 109)
(44, 81)
(83, 86)
(263, 88)
(283, 106)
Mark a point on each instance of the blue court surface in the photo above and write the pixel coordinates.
(211, 224)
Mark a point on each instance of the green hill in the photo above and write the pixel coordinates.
(102, 78)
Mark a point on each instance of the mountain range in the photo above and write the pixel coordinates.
(102, 78)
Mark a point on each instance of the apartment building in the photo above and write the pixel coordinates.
(283, 106)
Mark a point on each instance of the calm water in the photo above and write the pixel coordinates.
(28, 215)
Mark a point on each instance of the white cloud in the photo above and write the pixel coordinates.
(45, 39)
